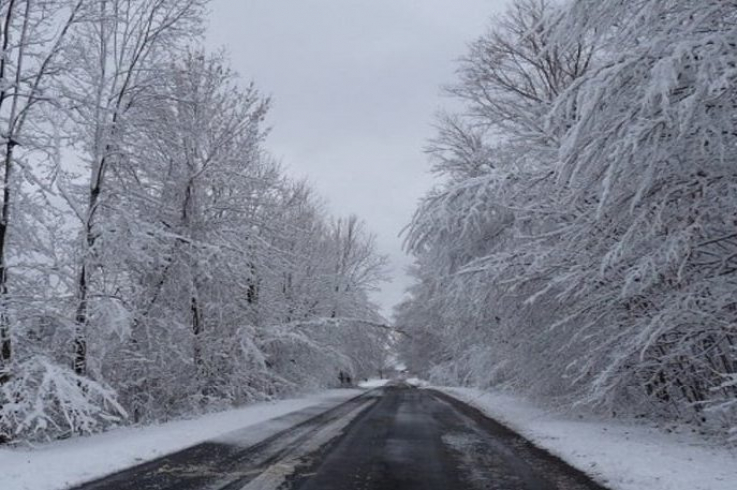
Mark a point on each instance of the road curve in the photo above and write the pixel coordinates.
(395, 438)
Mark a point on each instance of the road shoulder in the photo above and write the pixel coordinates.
(617, 455)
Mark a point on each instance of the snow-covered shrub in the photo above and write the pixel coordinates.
(43, 400)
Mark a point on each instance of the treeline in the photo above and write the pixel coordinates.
(582, 247)
(154, 259)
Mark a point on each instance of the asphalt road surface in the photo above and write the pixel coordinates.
(395, 438)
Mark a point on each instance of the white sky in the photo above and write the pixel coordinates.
(355, 85)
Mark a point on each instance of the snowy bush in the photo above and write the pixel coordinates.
(43, 400)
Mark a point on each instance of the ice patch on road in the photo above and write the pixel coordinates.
(484, 472)
(461, 441)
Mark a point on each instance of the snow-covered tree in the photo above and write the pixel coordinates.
(156, 261)
(115, 54)
(581, 247)
(31, 41)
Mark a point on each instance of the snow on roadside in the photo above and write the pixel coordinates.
(62, 464)
(620, 456)
(418, 383)
(373, 383)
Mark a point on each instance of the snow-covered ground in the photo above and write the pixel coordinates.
(62, 464)
(417, 382)
(620, 456)
(373, 383)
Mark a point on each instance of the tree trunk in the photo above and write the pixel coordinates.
(6, 346)
(197, 332)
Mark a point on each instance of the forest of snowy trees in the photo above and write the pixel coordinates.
(581, 247)
(155, 261)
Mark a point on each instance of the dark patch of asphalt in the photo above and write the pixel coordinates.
(394, 438)
(421, 439)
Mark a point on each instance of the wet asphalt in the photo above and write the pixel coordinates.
(394, 438)
(415, 439)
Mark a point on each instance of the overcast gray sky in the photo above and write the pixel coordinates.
(355, 85)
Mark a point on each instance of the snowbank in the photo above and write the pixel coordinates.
(373, 383)
(620, 456)
(65, 463)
